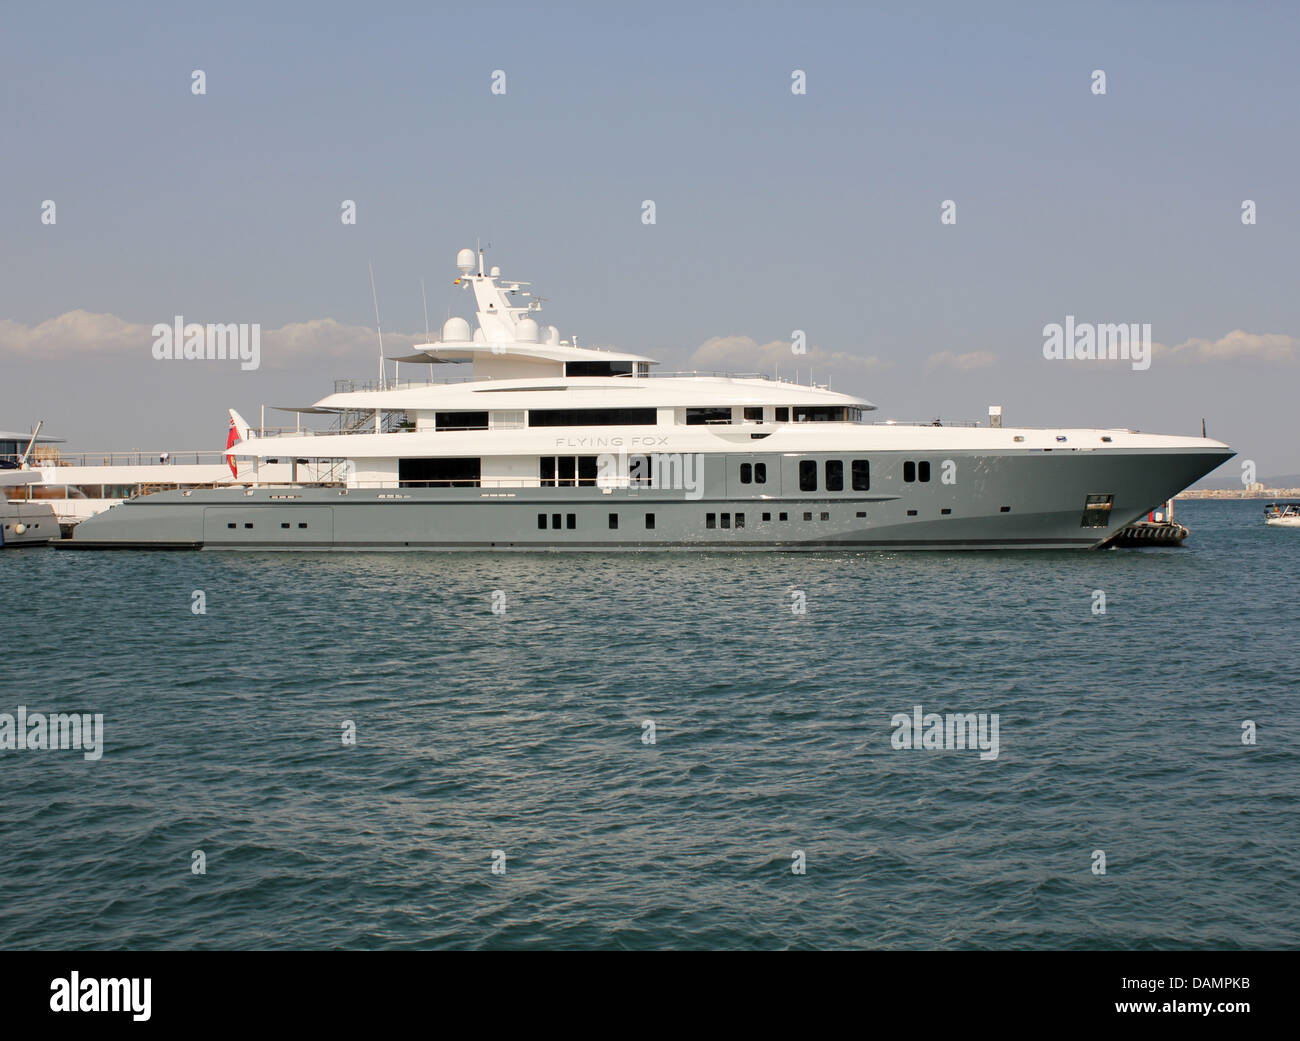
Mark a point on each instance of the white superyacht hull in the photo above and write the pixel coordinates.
(1029, 500)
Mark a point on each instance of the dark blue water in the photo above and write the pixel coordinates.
(522, 732)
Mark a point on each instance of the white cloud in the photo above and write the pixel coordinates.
(967, 362)
(84, 333)
(744, 354)
(1238, 345)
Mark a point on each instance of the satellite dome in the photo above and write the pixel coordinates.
(455, 330)
(465, 261)
(526, 331)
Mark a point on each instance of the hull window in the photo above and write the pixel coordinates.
(835, 475)
(861, 475)
(807, 475)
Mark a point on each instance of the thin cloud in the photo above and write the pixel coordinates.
(88, 334)
(968, 362)
(743, 353)
(1238, 345)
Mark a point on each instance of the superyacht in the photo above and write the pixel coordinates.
(551, 446)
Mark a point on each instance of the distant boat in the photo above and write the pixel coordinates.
(1282, 514)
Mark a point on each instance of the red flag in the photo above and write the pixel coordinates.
(231, 438)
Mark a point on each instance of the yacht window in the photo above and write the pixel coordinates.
(923, 470)
(650, 521)
(555, 520)
(726, 520)
(826, 516)
(441, 473)
(826, 414)
(784, 517)
(767, 516)
(302, 524)
(541, 521)
(909, 471)
(861, 475)
(613, 521)
(754, 415)
(567, 470)
(587, 470)
(598, 368)
(546, 470)
(807, 516)
(740, 520)
(570, 520)
(807, 475)
(710, 520)
(746, 473)
(461, 421)
(592, 417)
(700, 416)
(783, 414)
(835, 475)
(760, 473)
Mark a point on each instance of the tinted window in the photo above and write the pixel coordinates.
(835, 475)
(746, 473)
(861, 472)
(760, 473)
(924, 471)
(909, 471)
(807, 475)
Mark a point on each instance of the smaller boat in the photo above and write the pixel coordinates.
(1159, 529)
(1282, 514)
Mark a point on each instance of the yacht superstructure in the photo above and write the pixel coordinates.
(549, 445)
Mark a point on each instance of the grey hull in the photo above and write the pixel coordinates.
(1030, 500)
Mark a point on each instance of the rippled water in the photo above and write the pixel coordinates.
(522, 732)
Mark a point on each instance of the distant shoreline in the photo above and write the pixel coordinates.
(1258, 493)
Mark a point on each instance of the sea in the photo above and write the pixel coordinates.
(659, 750)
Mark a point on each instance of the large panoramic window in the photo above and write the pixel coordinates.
(701, 416)
(591, 417)
(461, 421)
(598, 368)
(438, 473)
(826, 414)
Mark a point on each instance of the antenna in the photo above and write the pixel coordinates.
(425, 297)
(378, 325)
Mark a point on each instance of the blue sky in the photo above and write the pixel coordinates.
(775, 212)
